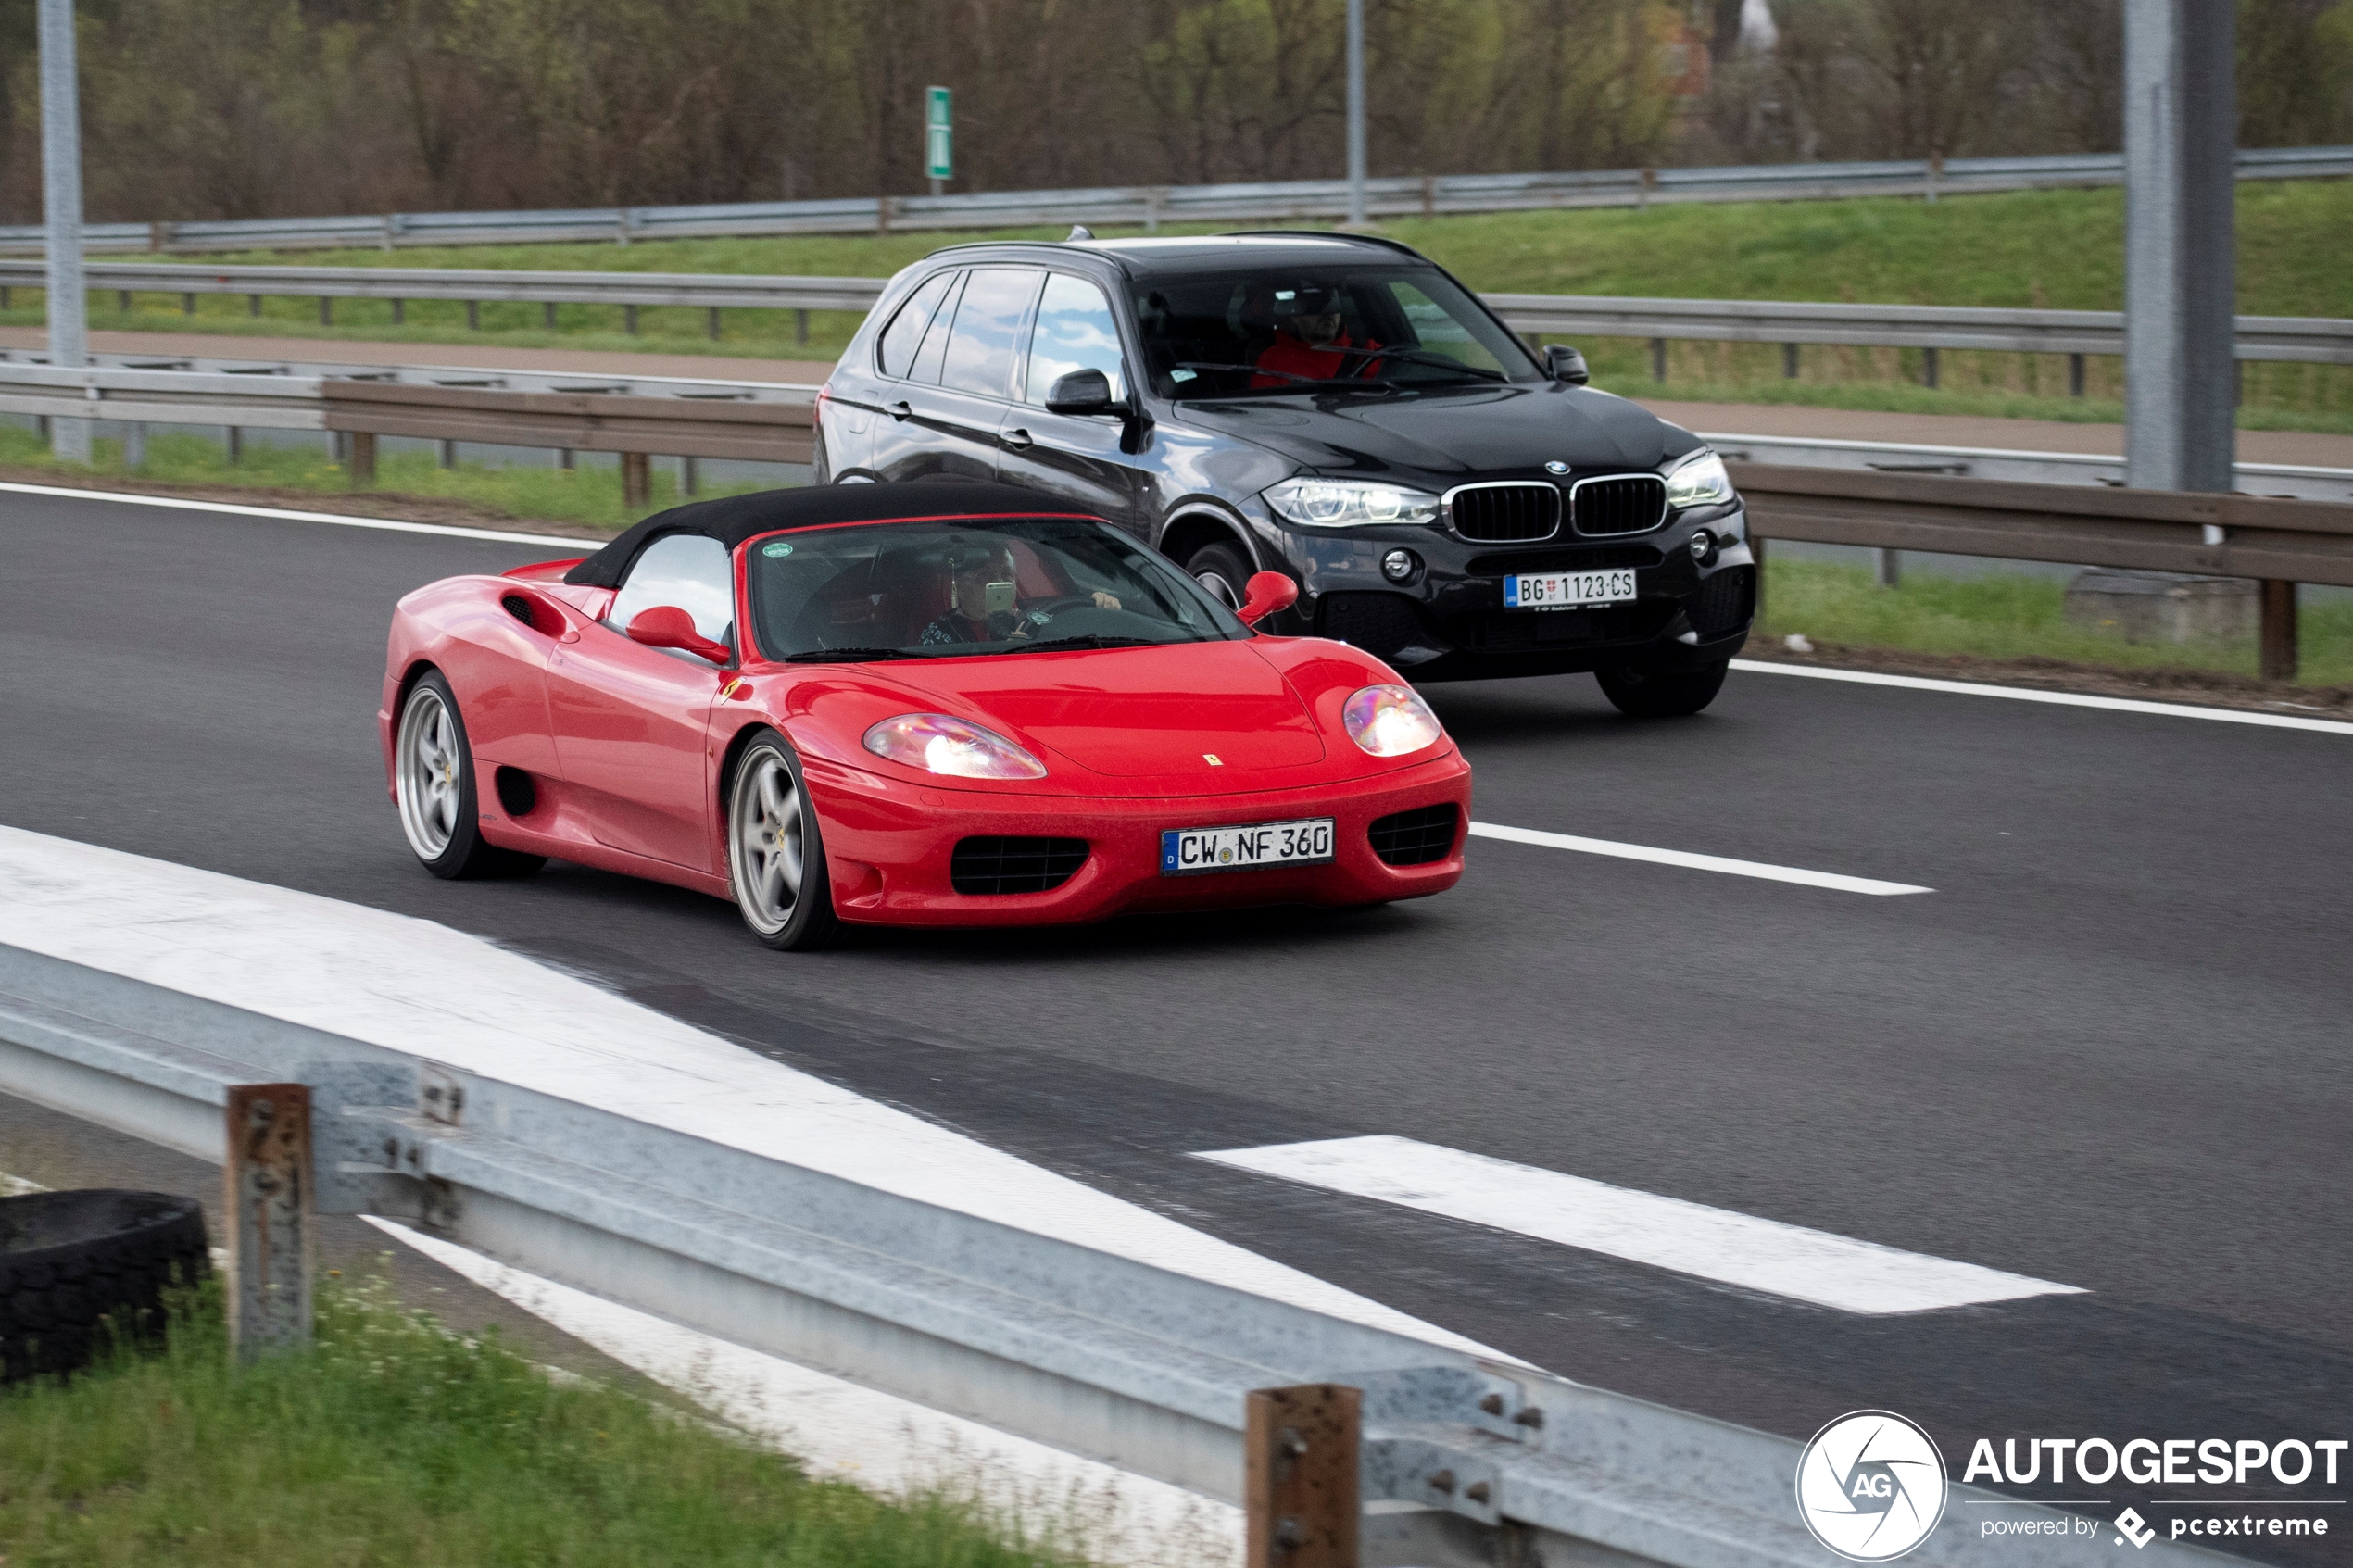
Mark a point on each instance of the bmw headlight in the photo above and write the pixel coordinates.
(938, 744)
(1390, 721)
(1349, 503)
(1699, 481)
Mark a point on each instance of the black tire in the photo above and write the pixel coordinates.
(776, 848)
(432, 768)
(78, 1268)
(1221, 568)
(1643, 693)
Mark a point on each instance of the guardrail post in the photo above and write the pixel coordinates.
(253, 304)
(1928, 369)
(134, 447)
(473, 315)
(636, 479)
(266, 1195)
(800, 326)
(2278, 634)
(715, 323)
(235, 444)
(1887, 570)
(363, 458)
(691, 476)
(1301, 1452)
(629, 320)
(547, 315)
(187, 305)
(399, 312)
(1658, 358)
(122, 301)
(326, 310)
(1789, 361)
(2075, 375)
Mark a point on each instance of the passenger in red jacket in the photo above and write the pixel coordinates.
(1308, 339)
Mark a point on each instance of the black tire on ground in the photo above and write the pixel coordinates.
(442, 820)
(776, 850)
(1222, 571)
(79, 1268)
(1641, 693)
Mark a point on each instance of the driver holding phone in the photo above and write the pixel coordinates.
(984, 600)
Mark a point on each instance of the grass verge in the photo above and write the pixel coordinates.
(393, 1442)
(2012, 616)
(2056, 250)
(588, 496)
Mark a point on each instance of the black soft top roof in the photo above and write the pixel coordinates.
(731, 520)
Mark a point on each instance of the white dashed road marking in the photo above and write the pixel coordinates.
(1694, 862)
(1667, 1233)
(2063, 699)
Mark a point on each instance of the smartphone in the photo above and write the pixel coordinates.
(999, 599)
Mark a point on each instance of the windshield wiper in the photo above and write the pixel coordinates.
(1444, 361)
(1325, 383)
(1090, 640)
(847, 656)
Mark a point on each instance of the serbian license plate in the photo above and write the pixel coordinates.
(1566, 590)
(1188, 851)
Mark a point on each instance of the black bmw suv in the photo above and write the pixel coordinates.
(1334, 407)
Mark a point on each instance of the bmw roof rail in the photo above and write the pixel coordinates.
(1381, 240)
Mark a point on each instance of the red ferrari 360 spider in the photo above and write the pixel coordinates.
(908, 705)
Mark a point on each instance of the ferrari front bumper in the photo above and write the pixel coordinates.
(888, 847)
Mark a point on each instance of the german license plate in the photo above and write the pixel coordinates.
(1567, 590)
(1191, 851)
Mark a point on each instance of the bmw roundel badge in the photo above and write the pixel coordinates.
(1555, 466)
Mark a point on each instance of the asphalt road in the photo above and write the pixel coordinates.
(2109, 1049)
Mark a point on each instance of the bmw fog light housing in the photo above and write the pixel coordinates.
(1699, 481)
(1703, 546)
(937, 743)
(1390, 720)
(1349, 503)
(1399, 566)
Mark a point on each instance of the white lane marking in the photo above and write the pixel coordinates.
(1695, 862)
(1791, 1260)
(2063, 699)
(847, 1432)
(282, 514)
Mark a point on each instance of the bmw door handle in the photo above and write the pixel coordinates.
(900, 411)
(1018, 440)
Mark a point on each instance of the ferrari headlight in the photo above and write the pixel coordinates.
(1349, 503)
(1699, 482)
(1390, 721)
(938, 744)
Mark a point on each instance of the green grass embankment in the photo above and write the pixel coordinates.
(2013, 616)
(394, 1443)
(2057, 249)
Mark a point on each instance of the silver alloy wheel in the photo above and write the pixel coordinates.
(1225, 592)
(764, 839)
(431, 790)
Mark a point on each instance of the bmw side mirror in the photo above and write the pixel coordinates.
(1266, 593)
(667, 626)
(1081, 391)
(1565, 364)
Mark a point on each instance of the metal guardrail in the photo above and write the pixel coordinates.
(2278, 481)
(2309, 339)
(1117, 1361)
(1153, 204)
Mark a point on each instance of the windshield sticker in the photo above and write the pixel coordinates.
(778, 548)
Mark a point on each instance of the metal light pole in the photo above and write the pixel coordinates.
(61, 204)
(1356, 111)
(2181, 144)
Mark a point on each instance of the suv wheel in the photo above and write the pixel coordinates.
(1221, 570)
(1640, 692)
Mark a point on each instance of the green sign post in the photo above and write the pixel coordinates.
(939, 138)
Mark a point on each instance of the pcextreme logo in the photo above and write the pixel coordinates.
(1870, 1485)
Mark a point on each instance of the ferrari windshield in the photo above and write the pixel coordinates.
(1372, 331)
(921, 590)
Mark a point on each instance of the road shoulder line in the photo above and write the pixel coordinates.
(2030, 694)
(1684, 858)
(283, 514)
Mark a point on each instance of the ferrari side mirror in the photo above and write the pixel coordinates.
(667, 626)
(1565, 364)
(1269, 591)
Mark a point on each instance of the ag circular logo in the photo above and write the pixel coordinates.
(1870, 1485)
